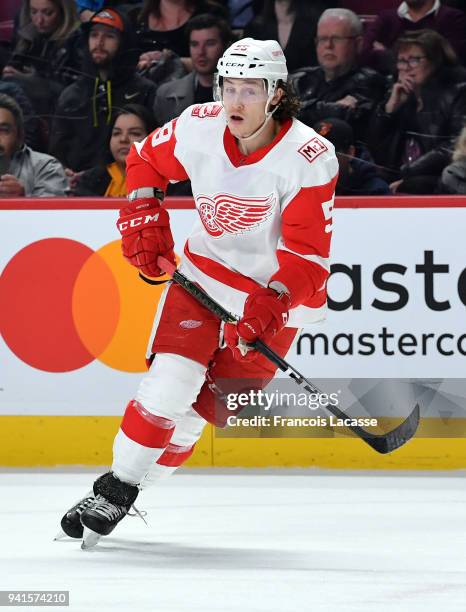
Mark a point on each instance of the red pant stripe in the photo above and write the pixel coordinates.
(146, 428)
(174, 455)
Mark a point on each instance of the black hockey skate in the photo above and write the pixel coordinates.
(71, 521)
(113, 499)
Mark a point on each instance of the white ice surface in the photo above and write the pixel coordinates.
(275, 542)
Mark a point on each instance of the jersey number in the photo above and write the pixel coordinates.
(327, 207)
(163, 134)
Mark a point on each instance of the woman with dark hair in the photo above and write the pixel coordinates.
(294, 24)
(131, 124)
(160, 26)
(413, 130)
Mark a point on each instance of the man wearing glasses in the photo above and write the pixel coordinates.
(338, 87)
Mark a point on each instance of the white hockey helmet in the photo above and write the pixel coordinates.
(252, 59)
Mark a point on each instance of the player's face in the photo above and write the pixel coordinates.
(336, 45)
(205, 49)
(45, 16)
(8, 134)
(244, 101)
(103, 44)
(127, 129)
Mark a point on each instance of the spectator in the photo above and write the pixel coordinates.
(160, 26)
(357, 171)
(410, 16)
(454, 175)
(416, 126)
(293, 23)
(338, 87)
(132, 124)
(46, 50)
(24, 172)
(86, 109)
(34, 129)
(208, 37)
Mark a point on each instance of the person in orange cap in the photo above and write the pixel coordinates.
(86, 109)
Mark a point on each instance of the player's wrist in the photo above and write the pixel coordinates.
(140, 206)
(142, 199)
(146, 193)
(299, 286)
(282, 291)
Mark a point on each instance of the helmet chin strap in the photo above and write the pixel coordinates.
(260, 129)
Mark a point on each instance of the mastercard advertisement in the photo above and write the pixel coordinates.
(75, 317)
(88, 305)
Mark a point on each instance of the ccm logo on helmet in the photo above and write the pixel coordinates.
(138, 221)
(235, 64)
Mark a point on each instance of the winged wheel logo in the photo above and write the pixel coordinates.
(224, 213)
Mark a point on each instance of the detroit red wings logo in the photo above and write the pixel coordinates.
(228, 214)
(240, 48)
(206, 110)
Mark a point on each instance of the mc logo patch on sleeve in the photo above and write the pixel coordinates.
(312, 149)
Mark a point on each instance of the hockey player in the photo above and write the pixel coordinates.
(263, 184)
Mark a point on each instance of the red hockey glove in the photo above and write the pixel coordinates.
(145, 231)
(265, 313)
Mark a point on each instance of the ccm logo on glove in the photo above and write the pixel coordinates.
(136, 221)
(145, 236)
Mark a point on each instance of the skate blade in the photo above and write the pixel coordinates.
(90, 538)
(61, 535)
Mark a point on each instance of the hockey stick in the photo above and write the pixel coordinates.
(382, 443)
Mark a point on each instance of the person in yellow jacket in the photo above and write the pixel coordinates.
(132, 124)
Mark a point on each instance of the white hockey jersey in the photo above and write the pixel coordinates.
(264, 216)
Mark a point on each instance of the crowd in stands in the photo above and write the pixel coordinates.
(81, 80)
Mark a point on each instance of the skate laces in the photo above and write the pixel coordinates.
(83, 503)
(140, 513)
(107, 509)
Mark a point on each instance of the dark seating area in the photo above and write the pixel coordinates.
(70, 97)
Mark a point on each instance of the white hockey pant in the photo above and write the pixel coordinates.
(163, 421)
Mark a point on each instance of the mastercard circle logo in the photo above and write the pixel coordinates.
(64, 305)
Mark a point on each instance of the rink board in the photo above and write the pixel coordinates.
(49, 441)
(63, 408)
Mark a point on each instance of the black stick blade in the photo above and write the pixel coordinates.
(386, 443)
